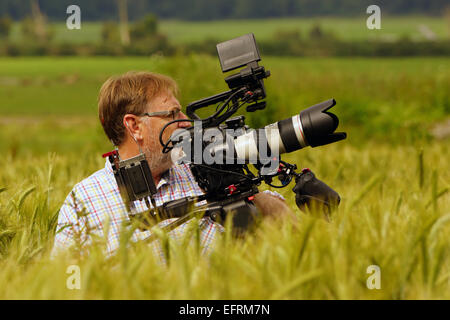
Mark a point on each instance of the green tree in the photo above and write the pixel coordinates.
(145, 28)
(123, 22)
(5, 27)
(94, 10)
(110, 32)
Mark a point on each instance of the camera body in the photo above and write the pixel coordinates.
(228, 145)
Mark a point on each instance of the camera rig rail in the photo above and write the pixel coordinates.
(233, 198)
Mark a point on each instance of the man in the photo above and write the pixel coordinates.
(127, 106)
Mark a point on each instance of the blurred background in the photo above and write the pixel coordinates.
(392, 172)
(283, 28)
(387, 82)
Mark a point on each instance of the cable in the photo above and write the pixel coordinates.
(166, 147)
(279, 187)
(164, 128)
(224, 171)
(224, 104)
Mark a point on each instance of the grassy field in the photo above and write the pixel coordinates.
(379, 95)
(179, 32)
(343, 28)
(392, 174)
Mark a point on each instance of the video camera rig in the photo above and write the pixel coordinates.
(230, 186)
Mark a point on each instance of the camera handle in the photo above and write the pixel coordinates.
(314, 194)
(193, 106)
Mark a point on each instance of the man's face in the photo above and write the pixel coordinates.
(153, 149)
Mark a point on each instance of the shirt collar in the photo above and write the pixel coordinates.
(165, 178)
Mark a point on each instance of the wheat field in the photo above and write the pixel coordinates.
(392, 174)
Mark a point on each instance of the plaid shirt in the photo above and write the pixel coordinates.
(98, 197)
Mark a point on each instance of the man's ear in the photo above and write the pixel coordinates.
(133, 126)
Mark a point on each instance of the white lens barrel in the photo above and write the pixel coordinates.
(274, 138)
(283, 136)
(246, 146)
(298, 129)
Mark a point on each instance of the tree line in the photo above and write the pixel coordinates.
(93, 10)
(144, 39)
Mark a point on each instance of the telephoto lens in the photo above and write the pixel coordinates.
(313, 127)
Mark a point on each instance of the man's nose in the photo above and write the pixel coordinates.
(183, 124)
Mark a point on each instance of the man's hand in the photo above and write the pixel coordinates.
(272, 206)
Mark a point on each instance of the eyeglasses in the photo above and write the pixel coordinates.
(172, 114)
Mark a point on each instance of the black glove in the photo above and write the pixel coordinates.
(314, 194)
